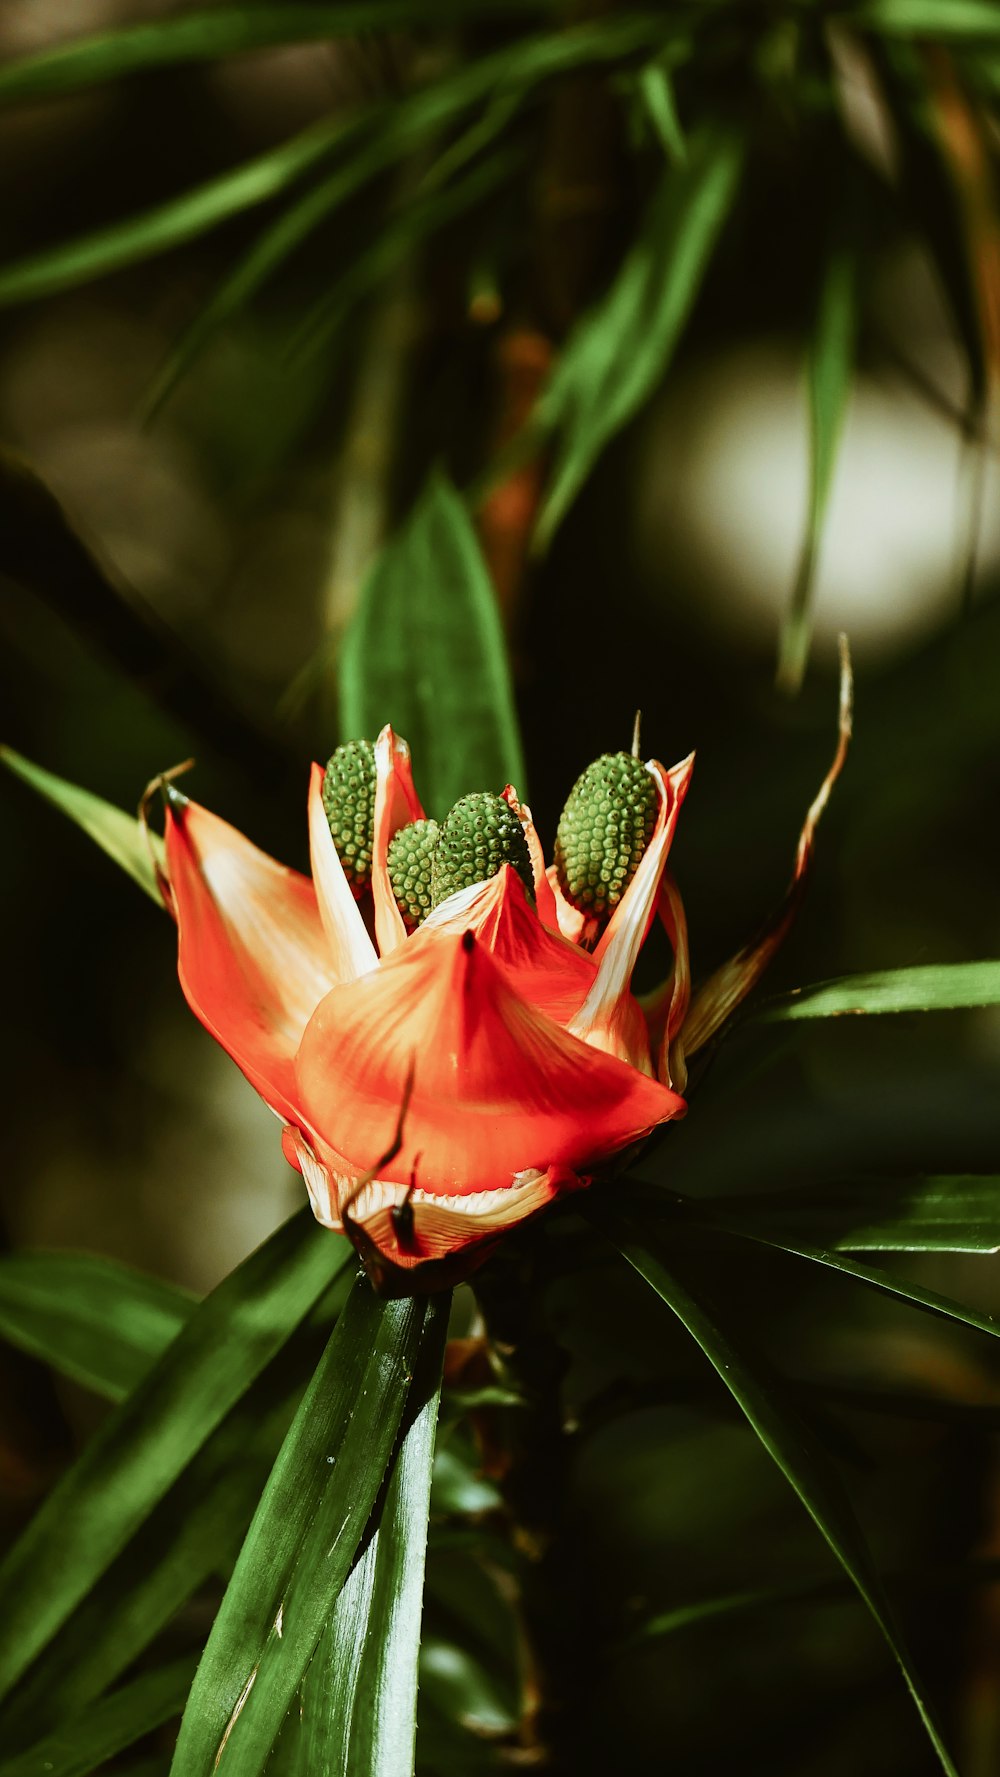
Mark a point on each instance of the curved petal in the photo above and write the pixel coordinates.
(545, 900)
(350, 949)
(543, 968)
(606, 1017)
(491, 1087)
(579, 928)
(252, 958)
(396, 804)
(440, 1225)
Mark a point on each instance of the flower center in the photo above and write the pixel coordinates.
(604, 829)
(410, 860)
(349, 802)
(481, 833)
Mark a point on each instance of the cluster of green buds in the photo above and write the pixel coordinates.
(603, 831)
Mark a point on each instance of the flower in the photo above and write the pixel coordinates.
(442, 1075)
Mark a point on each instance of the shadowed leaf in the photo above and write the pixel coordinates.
(97, 1321)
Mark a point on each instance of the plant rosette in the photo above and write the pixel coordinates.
(446, 1027)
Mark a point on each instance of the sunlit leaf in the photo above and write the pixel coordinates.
(386, 133)
(830, 363)
(952, 1215)
(357, 1712)
(302, 1543)
(928, 987)
(780, 1428)
(95, 1320)
(426, 652)
(656, 89)
(141, 1449)
(117, 833)
(617, 355)
(105, 1728)
(225, 31)
(169, 224)
(973, 21)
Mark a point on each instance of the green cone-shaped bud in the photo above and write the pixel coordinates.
(604, 829)
(349, 801)
(411, 860)
(480, 834)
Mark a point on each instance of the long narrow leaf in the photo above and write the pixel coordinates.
(117, 833)
(98, 1733)
(151, 1437)
(618, 353)
(784, 1434)
(426, 652)
(357, 1712)
(957, 21)
(929, 987)
(169, 224)
(97, 1321)
(917, 1215)
(301, 1545)
(830, 362)
(224, 31)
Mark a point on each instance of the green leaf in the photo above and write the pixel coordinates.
(301, 1545)
(141, 1449)
(98, 1733)
(974, 21)
(386, 134)
(224, 31)
(656, 90)
(916, 1215)
(617, 355)
(426, 652)
(169, 224)
(97, 1321)
(783, 1432)
(357, 1714)
(193, 1533)
(464, 1689)
(830, 364)
(117, 833)
(928, 987)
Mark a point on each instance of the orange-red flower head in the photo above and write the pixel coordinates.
(482, 1053)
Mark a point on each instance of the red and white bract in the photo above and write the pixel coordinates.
(435, 1089)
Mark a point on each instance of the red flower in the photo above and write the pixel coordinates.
(438, 1086)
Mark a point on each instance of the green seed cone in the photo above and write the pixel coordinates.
(479, 835)
(604, 829)
(349, 801)
(410, 860)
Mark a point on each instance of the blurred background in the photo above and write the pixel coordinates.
(217, 403)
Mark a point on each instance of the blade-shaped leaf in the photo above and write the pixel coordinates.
(972, 21)
(169, 224)
(950, 1215)
(98, 1733)
(151, 1437)
(95, 1320)
(928, 987)
(224, 31)
(301, 1545)
(426, 652)
(619, 352)
(356, 1715)
(782, 1431)
(830, 363)
(117, 833)
(193, 1533)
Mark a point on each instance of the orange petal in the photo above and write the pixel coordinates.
(396, 804)
(579, 928)
(350, 949)
(543, 968)
(607, 1018)
(719, 996)
(253, 957)
(666, 1010)
(440, 1226)
(497, 1089)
